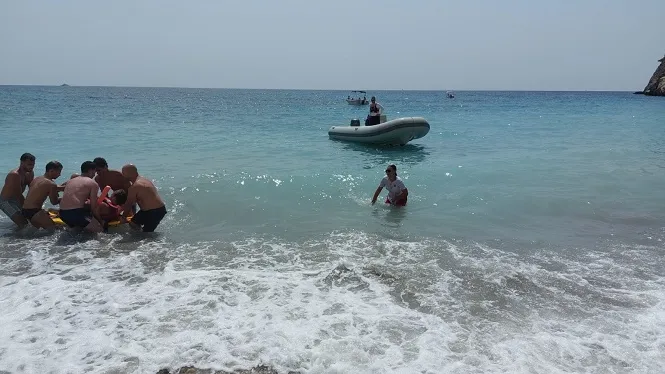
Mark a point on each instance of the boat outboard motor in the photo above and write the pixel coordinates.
(355, 122)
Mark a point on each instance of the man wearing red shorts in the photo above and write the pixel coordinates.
(397, 191)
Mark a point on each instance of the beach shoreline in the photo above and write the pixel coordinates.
(260, 369)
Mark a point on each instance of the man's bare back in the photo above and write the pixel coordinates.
(77, 191)
(73, 210)
(15, 183)
(144, 192)
(112, 178)
(41, 188)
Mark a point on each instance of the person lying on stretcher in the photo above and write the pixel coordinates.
(110, 209)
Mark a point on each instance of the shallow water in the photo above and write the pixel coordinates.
(532, 241)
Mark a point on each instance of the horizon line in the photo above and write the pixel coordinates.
(314, 89)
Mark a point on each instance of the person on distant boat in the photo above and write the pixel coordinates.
(78, 191)
(11, 197)
(397, 191)
(375, 111)
(40, 188)
(108, 177)
(142, 191)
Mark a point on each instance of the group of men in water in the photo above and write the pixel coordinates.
(81, 204)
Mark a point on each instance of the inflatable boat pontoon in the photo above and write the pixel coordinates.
(394, 132)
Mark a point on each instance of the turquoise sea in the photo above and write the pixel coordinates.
(532, 241)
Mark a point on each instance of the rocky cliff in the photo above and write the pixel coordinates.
(656, 86)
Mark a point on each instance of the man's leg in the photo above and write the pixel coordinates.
(137, 220)
(80, 218)
(154, 218)
(42, 220)
(94, 225)
(19, 220)
(12, 209)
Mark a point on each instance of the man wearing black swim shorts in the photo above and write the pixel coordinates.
(144, 193)
(72, 205)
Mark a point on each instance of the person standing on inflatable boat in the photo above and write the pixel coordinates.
(144, 193)
(397, 191)
(375, 111)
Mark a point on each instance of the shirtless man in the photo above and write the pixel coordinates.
(145, 194)
(11, 197)
(72, 204)
(41, 188)
(107, 177)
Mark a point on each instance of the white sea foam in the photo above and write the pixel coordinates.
(347, 302)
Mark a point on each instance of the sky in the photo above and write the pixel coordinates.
(341, 44)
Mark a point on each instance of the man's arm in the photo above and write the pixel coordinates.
(402, 195)
(403, 192)
(53, 195)
(28, 179)
(94, 207)
(14, 180)
(126, 185)
(131, 200)
(61, 187)
(376, 194)
(104, 209)
(97, 179)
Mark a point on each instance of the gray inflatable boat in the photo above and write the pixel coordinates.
(394, 132)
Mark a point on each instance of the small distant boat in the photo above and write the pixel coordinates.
(394, 132)
(353, 100)
(450, 94)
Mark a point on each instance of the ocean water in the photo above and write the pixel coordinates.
(532, 241)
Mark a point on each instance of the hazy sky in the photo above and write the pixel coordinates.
(340, 44)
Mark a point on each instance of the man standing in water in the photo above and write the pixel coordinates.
(11, 197)
(397, 192)
(41, 188)
(112, 178)
(73, 211)
(143, 191)
(108, 177)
